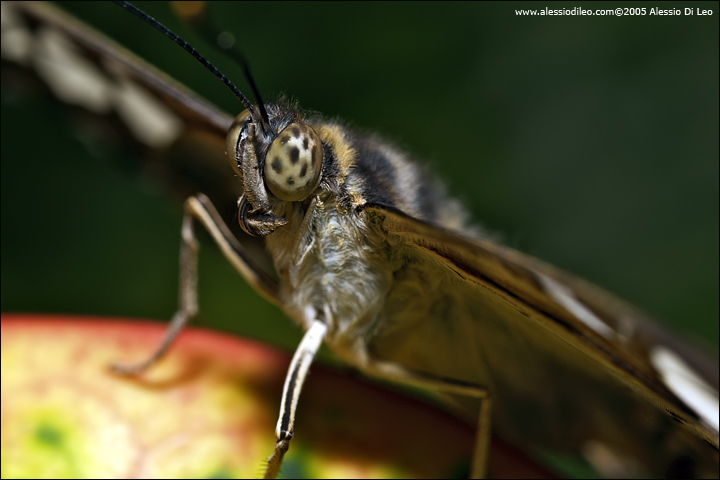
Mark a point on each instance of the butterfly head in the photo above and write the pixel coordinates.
(278, 160)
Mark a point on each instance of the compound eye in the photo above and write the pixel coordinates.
(293, 164)
(232, 141)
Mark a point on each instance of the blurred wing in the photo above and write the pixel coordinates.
(84, 67)
(593, 369)
(178, 137)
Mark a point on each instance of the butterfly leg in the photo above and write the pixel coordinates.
(199, 208)
(396, 373)
(294, 380)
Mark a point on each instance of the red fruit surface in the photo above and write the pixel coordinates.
(208, 409)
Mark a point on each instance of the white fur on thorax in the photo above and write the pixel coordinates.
(336, 267)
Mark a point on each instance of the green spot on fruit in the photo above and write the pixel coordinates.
(221, 473)
(294, 467)
(49, 435)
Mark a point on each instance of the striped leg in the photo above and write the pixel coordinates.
(294, 380)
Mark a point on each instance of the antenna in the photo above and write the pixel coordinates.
(194, 13)
(188, 48)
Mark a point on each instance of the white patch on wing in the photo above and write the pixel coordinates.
(73, 78)
(611, 463)
(565, 298)
(150, 121)
(687, 385)
(78, 81)
(16, 41)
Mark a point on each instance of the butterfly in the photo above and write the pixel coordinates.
(455, 146)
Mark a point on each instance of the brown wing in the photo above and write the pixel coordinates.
(23, 21)
(176, 137)
(569, 366)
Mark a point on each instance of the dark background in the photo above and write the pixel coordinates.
(590, 142)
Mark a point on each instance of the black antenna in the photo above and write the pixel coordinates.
(211, 32)
(172, 36)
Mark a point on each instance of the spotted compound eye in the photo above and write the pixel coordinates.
(294, 163)
(232, 141)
